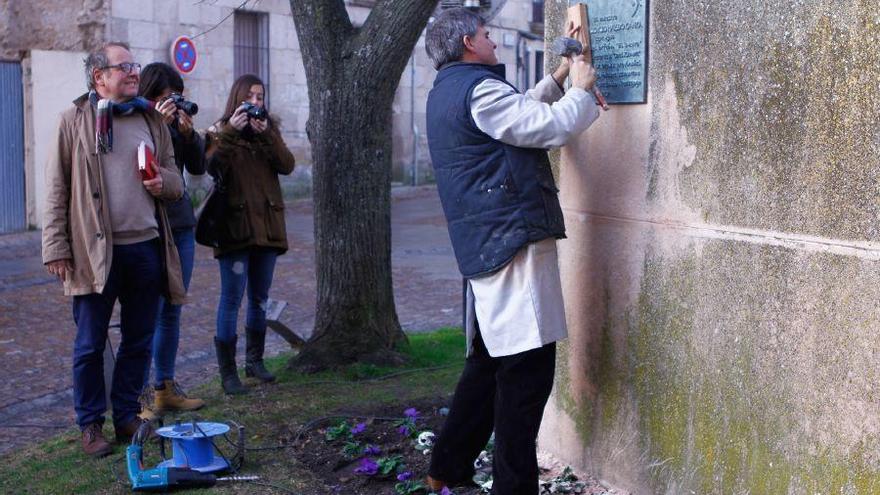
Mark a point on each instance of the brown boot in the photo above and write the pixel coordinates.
(171, 398)
(94, 443)
(126, 431)
(434, 484)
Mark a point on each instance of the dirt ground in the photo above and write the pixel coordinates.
(380, 429)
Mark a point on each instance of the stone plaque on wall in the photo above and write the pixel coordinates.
(619, 37)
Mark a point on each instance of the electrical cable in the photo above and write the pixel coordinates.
(114, 471)
(316, 382)
(302, 430)
(272, 485)
(215, 26)
(32, 425)
(377, 378)
(233, 467)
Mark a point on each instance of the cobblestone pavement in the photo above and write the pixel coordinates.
(36, 324)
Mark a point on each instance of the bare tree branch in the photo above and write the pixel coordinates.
(215, 26)
(388, 30)
(321, 25)
(324, 30)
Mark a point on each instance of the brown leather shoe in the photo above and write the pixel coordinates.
(93, 442)
(434, 484)
(126, 431)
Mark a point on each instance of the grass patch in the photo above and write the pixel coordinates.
(271, 414)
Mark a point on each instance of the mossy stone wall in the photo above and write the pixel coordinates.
(721, 274)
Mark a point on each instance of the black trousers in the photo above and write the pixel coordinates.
(507, 394)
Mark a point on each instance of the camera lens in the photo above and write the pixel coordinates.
(258, 113)
(189, 107)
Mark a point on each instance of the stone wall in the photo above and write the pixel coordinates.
(50, 25)
(721, 271)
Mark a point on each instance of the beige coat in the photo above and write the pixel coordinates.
(76, 225)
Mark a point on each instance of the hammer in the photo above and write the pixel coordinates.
(570, 47)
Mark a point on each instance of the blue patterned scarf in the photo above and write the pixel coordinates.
(105, 110)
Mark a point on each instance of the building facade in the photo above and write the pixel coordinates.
(43, 42)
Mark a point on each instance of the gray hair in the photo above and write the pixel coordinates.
(444, 40)
(98, 60)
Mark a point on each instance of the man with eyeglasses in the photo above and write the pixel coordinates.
(106, 236)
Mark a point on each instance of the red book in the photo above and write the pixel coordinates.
(147, 162)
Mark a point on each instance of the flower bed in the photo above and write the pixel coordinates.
(387, 452)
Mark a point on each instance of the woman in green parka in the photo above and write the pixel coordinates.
(247, 153)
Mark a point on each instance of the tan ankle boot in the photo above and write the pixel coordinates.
(171, 398)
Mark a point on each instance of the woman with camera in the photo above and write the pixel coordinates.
(163, 85)
(246, 153)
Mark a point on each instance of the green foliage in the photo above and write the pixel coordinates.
(409, 486)
(342, 430)
(352, 449)
(390, 464)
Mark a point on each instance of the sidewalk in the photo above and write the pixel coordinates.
(36, 325)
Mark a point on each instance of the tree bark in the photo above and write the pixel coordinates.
(352, 76)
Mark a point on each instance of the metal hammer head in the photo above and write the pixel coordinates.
(566, 47)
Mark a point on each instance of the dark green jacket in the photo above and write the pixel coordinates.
(249, 165)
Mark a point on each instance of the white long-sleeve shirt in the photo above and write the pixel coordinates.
(519, 307)
(541, 118)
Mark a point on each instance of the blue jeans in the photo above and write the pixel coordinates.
(136, 280)
(168, 324)
(251, 268)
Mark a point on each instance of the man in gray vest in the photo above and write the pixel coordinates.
(488, 146)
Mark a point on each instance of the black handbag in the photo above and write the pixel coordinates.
(210, 214)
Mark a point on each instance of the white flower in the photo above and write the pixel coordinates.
(426, 438)
(482, 460)
(486, 487)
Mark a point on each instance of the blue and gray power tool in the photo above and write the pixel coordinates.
(165, 477)
(162, 479)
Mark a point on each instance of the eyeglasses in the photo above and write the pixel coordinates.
(127, 67)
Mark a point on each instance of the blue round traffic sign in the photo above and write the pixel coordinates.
(183, 54)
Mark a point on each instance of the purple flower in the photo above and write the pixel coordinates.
(358, 428)
(404, 476)
(403, 430)
(411, 413)
(445, 491)
(372, 450)
(368, 467)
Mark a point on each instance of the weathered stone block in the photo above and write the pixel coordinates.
(141, 10)
(118, 30)
(143, 34)
(189, 12)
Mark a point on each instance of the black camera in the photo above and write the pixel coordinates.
(255, 112)
(182, 103)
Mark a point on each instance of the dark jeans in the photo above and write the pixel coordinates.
(251, 268)
(135, 279)
(167, 333)
(507, 394)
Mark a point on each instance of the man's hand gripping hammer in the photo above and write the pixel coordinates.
(570, 47)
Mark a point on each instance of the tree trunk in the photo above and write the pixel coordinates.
(352, 75)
